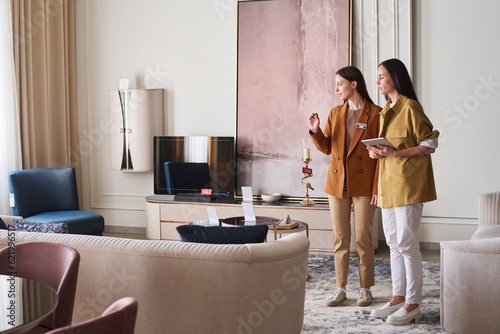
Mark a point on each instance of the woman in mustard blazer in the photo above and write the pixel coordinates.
(351, 178)
(406, 181)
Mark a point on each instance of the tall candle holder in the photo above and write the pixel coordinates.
(307, 174)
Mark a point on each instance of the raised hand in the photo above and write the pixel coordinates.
(314, 122)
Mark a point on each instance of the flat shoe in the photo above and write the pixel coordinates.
(386, 310)
(338, 297)
(403, 317)
(365, 298)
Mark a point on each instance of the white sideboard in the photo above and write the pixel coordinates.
(164, 215)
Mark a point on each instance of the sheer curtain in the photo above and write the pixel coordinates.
(10, 142)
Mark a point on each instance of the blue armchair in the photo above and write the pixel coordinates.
(49, 195)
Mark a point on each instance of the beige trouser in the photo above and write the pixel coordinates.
(340, 210)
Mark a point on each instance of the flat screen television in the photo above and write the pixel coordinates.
(218, 152)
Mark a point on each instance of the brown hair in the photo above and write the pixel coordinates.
(352, 73)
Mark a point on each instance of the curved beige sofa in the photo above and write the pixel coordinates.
(191, 288)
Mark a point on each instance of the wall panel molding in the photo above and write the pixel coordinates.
(382, 29)
(104, 192)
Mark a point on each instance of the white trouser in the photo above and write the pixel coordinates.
(401, 225)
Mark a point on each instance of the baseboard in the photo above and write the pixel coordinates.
(430, 246)
(433, 246)
(125, 229)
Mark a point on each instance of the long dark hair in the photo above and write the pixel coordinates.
(351, 73)
(400, 77)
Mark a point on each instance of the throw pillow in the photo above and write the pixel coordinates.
(2, 225)
(23, 225)
(223, 234)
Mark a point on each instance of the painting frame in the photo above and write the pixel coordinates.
(280, 80)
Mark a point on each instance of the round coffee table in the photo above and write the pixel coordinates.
(22, 294)
(299, 228)
(259, 220)
(239, 221)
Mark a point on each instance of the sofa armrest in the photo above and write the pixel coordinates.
(469, 276)
(491, 245)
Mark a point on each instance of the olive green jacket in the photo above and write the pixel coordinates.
(405, 180)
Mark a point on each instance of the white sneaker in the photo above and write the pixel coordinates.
(386, 310)
(403, 317)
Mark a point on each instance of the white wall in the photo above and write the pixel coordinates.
(185, 47)
(458, 81)
(189, 48)
(457, 54)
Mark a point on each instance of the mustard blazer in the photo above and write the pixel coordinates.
(405, 180)
(356, 165)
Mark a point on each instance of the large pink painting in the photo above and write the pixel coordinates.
(288, 53)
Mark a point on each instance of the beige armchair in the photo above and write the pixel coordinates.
(469, 275)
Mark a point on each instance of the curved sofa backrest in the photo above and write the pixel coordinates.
(43, 189)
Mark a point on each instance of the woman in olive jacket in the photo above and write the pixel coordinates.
(351, 178)
(406, 181)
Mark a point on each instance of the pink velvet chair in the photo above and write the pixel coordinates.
(53, 264)
(119, 318)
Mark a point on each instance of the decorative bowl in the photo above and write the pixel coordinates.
(271, 197)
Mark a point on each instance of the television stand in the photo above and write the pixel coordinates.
(192, 197)
(163, 215)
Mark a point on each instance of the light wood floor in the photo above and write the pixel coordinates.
(381, 253)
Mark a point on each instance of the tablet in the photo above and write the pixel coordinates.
(376, 141)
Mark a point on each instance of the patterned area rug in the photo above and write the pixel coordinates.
(350, 318)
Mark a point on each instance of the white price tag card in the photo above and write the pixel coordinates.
(212, 215)
(124, 79)
(249, 213)
(247, 194)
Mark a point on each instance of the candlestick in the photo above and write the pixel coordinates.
(307, 174)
